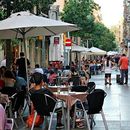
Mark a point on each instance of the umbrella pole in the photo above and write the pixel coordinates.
(25, 52)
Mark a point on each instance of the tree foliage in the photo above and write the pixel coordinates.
(80, 12)
(42, 6)
(103, 37)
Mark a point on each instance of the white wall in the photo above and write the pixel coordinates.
(1, 53)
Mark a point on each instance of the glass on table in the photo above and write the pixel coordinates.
(71, 83)
(69, 88)
(58, 89)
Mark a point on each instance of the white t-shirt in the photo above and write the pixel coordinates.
(107, 68)
(39, 70)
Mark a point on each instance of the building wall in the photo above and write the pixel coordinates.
(61, 4)
(1, 53)
(118, 31)
(126, 24)
(97, 15)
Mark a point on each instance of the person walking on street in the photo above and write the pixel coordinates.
(107, 69)
(123, 64)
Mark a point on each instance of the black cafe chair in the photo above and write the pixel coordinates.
(79, 88)
(95, 102)
(94, 105)
(91, 87)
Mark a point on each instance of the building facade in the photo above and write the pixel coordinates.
(126, 24)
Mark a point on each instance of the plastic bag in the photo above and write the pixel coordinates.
(39, 120)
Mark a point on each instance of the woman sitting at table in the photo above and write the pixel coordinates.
(38, 85)
(67, 72)
(84, 75)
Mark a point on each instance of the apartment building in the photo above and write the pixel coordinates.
(126, 24)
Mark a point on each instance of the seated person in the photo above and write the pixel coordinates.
(14, 86)
(52, 77)
(2, 71)
(2, 117)
(9, 80)
(20, 83)
(74, 77)
(38, 85)
(83, 76)
(3, 99)
(67, 72)
(38, 69)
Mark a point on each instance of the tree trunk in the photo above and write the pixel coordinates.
(9, 55)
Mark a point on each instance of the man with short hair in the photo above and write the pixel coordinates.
(123, 63)
(20, 63)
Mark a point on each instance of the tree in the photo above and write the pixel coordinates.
(42, 6)
(81, 13)
(103, 37)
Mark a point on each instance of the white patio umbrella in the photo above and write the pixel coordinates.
(112, 53)
(97, 51)
(24, 24)
(76, 48)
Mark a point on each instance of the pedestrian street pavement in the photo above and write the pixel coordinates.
(116, 105)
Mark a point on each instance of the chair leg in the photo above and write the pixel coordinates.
(86, 116)
(25, 107)
(45, 123)
(104, 120)
(74, 116)
(11, 114)
(21, 118)
(27, 104)
(92, 121)
(52, 117)
(35, 115)
(64, 118)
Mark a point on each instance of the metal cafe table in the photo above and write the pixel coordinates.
(70, 98)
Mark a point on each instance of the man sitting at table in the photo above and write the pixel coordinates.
(52, 77)
(38, 85)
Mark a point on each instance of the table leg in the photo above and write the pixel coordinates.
(68, 118)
